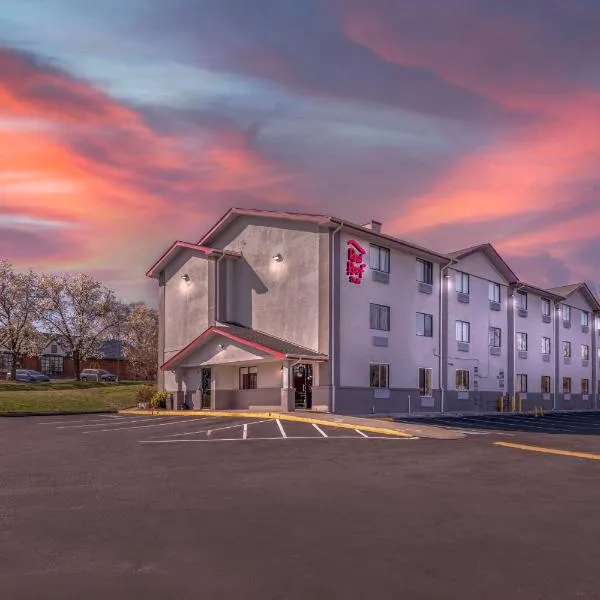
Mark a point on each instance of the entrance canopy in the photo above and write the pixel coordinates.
(235, 344)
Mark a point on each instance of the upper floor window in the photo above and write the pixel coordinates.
(521, 341)
(380, 317)
(424, 271)
(379, 259)
(566, 347)
(545, 307)
(566, 313)
(495, 337)
(424, 324)
(494, 292)
(585, 352)
(462, 282)
(585, 318)
(54, 349)
(546, 345)
(522, 300)
(463, 331)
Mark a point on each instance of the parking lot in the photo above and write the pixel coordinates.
(121, 506)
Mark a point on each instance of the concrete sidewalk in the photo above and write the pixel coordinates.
(368, 424)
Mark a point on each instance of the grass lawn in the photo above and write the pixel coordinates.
(66, 397)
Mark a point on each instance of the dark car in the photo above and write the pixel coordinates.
(30, 376)
(97, 375)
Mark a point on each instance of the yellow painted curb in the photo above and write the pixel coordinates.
(549, 450)
(266, 415)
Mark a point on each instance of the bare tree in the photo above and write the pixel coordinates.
(141, 340)
(19, 296)
(81, 312)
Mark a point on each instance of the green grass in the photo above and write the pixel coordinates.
(51, 398)
(19, 386)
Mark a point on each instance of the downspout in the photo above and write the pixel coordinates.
(556, 335)
(516, 290)
(332, 329)
(218, 286)
(441, 364)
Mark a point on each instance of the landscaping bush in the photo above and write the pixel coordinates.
(144, 396)
(159, 400)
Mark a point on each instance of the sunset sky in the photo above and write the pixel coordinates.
(127, 124)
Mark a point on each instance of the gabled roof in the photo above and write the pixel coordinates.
(567, 290)
(177, 247)
(325, 220)
(494, 257)
(258, 340)
(528, 287)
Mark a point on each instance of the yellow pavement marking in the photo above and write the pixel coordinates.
(549, 450)
(266, 415)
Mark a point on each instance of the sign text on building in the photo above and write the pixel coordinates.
(355, 267)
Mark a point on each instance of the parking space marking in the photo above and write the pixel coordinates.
(245, 433)
(549, 450)
(163, 424)
(209, 431)
(361, 433)
(104, 417)
(105, 423)
(319, 430)
(283, 434)
(305, 437)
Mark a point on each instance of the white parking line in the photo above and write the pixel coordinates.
(209, 431)
(283, 433)
(176, 421)
(309, 437)
(361, 433)
(104, 423)
(245, 433)
(104, 417)
(319, 430)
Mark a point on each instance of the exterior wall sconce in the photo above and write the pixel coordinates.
(278, 258)
(185, 277)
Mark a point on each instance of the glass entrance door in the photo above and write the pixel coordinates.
(206, 387)
(303, 377)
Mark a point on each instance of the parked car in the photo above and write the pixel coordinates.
(30, 376)
(97, 375)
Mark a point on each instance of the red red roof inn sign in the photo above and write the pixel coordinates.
(355, 267)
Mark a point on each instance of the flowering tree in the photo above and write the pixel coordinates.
(80, 311)
(19, 298)
(141, 340)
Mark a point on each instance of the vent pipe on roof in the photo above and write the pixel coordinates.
(373, 226)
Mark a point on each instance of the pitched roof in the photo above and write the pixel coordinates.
(259, 340)
(177, 246)
(566, 290)
(528, 287)
(233, 213)
(493, 255)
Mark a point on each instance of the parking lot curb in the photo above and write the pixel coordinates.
(269, 415)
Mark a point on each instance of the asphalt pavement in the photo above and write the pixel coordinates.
(105, 506)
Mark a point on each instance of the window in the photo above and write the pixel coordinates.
(494, 292)
(545, 307)
(463, 331)
(585, 352)
(462, 282)
(546, 384)
(248, 378)
(522, 300)
(379, 259)
(546, 345)
(380, 317)
(425, 271)
(585, 318)
(52, 365)
(424, 324)
(495, 337)
(54, 349)
(462, 380)
(425, 383)
(566, 346)
(566, 385)
(379, 376)
(521, 382)
(521, 341)
(566, 313)
(585, 386)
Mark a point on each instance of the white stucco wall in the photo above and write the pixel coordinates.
(406, 352)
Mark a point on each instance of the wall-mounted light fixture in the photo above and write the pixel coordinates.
(185, 277)
(278, 258)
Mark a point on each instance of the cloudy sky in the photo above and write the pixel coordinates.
(127, 124)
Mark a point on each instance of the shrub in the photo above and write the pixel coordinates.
(143, 395)
(159, 400)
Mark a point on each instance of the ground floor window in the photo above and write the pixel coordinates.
(566, 385)
(521, 383)
(248, 378)
(379, 376)
(585, 386)
(53, 365)
(425, 383)
(546, 384)
(462, 380)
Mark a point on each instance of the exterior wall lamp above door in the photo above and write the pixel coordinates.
(278, 258)
(185, 277)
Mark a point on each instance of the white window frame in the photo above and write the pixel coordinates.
(494, 292)
(425, 319)
(426, 385)
(567, 350)
(521, 383)
(566, 313)
(585, 318)
(585, 352)
(522, 341)
(492, 337)
(522, 300)
(248, 371)
(570, 385)
(462, 327)
(546, 345)
(547, 378)
(463, 282)
(465, 375)
(381, 368)
(425, 269)
(376, 319)
(375, 255)
(546, 305)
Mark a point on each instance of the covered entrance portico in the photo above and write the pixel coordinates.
(230, 367)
